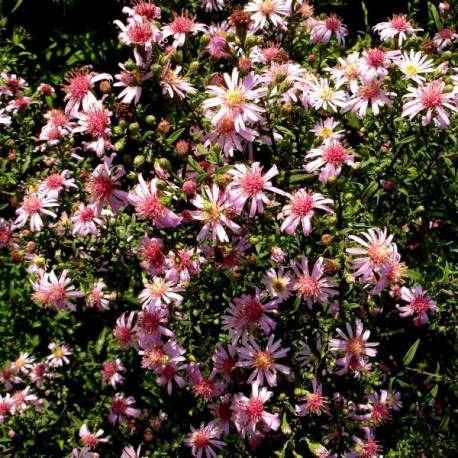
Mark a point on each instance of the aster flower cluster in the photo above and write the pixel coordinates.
(231, 210)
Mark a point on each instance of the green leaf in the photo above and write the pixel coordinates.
(370, 189)
(101, 341)
(434, 15)
(411, 353)
(175, 136)
(408, 139)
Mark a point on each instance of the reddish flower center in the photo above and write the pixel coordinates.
(254, 409)
(252, 183)
(332, 23)
(119, 406)
(147, 10)
(253, 310)
(101, 187)
(224, 411)
(80, 86)
(140, 33)
(227, 125)
(89, 440)
(399, 23)
(379, 412)
(302, 205)
(57, 295)
(86, 215)
(123, 334)
(200, 439)
(378, 254)
(168, 372)
(156, 356)
(355, 346)
(419, 304)
(182, 24)
(152, 253)
(315, 403)
(151, 208)
(369, 91)
(375, 57)
(369, 450)
(431, 96)
(446, 34)
(203, 388)
(335, 154)
(307, 286)
(5, 236)
(109, 369)
(149, 322)
(5, 407)
(97, 122)
(267, 7)
(32, 205)
(54, 181)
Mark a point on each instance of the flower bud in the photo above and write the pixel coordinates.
(150, 120)
(193, 67)
(105, 87)
(133, 128)
(164, 127)
(139, 160)
(182, 149)
(119, 145)
(205, 40)
(287, 109)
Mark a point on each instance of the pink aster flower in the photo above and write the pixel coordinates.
(24, 363)
(45, 89)
(79, 90)
(19, 103)
(212, 5)
(97, 298)
(33, 206)
(278, 284)
(55, 183)
(150, 327)
(51, 291)
(301, 210)
(203, 440)
(124, 331)
(238, 100)
(369, 92)
(85, 220)
(168, 371)
(354, 348)
(224, 360)
(314, 402)
(324, 29)
(374, 62)
(160, 292)
(346, 72)
(7, 406)
(413, 64)
(182, 264)
(5, 119)
(376, 411)
(146, 200)
(95, 121)
(57, 127)
(325, 129)
(8, 238)
(174, 85)
(214, 208)
(111, 372)
(58, 356)
(103, 186)
(376, 250)
(444, 38)
(267, 11)
(146, 9)
(419, 303)
(365, 448)
(262, 360)
(139, 32)
(222, 413)
(203, 387)
(432, 98)
(246, 314)
(397, 25)
(250, 183)
(312, 287)
(12, 84)
(89, 439)
(151, 252)
(249, 414)
(129, 452)
(121, 410)
(180, 27)
(328, 158)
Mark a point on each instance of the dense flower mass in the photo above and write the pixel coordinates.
(247, 227)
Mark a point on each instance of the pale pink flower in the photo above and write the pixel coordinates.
(95, 121)
(160, 292)
(51, 291)
(167, 372)
(172, 84)
(33, 206)
(397, 25)
(324, 29)
(150, 327)
(121, 410)
(277, 255)
(262, 360)
(129, 452)
(203, 440)
(445, 38)
(79, 90)
(89, 439)
(147, 10)
(346, 72)
(374, 62)
(146, 200)
(45, 89)
(312, 287)
(214, 208)
(391, 273)
(301, 210)
(19, 103)
(376, 411)
(376, 250)
(5, 120)
(367, 448)
(432, 98)
(7, 406)
(58, 356)
(24, 399)
(12, 84)
(8, 237)
(57, 127)
(354, 347)
(413, 64)
(328, 158)
(249, 415)
(315, 403)
(222, 413)
(419, 303)
(9, 377)
(38, 372)
(250, 183)
(151, 252)
(86, 219)
(103, 186)
(265, 12)
(111, 372)
(224, 360)
(212, 5)
(278, 284)
(238, 100)
(139, 32)
(97, 298)
(124, 331)
(247, 313)
(55, 182)
(23, 363)
(369, 92)
(180, 27)
(326, 129)
(182, 264)
(204, 387)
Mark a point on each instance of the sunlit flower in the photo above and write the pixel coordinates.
(418, 304)
(58, 356)
(413, 64)
(121, 410)
(265, 11)
(369, 92)
(33, 206)
(203, 440)
(172, 84)
(445, 38)
(278, 284)
(314, 402)
(322, 95)
(89, 439)
(324, 29)
(180, 27)
(55, 183)
(397, 25)
(111, 372)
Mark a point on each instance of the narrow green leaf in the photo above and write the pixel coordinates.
(175, 136)
(101, 341)
(411, 353)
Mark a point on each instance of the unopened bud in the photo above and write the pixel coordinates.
(286, 109)
(205, 40)
(150, 120)
(326, 239)
(105, 87)
(139, 160)
(193, 67)
(164, 127)
(119, 145)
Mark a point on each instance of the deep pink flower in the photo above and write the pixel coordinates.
(324, 29)
(121, 410)
(203, 439)
(180, 27)
(419, 303)
(33, 206)
(397, 25)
